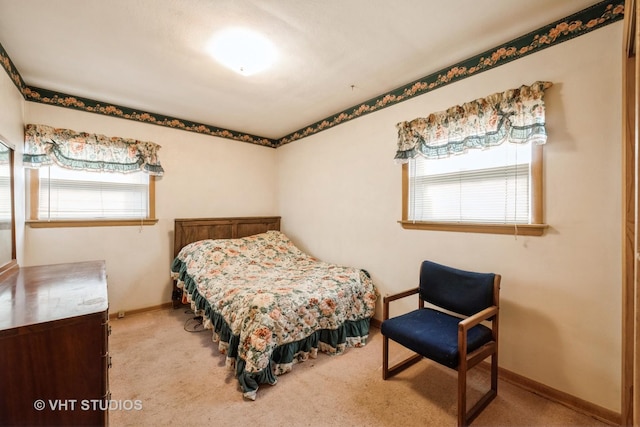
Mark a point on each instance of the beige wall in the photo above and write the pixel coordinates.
(204, 176)
(339, 196)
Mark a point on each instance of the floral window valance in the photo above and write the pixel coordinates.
(516, 115)
(45, 145)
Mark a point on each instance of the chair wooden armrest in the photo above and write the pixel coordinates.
(477, 318)
(388, 298)
(399, 295)
(468, 323)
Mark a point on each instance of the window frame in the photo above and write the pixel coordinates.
(34, 222)
(536, 228)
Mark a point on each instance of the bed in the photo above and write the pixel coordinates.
(269, 304)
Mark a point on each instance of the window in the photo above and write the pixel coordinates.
(5, 196)
(85, 179)
(65, 197)
(496, 190)
(477, 166)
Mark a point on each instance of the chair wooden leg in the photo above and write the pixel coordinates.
(465, 418)
(385, 357)
(494, 372)
(462, 394)
(388, 372)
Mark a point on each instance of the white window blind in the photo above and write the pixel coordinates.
(480, 186)
(5, 194)
(73, 194)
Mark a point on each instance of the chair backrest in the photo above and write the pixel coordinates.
(460, 291)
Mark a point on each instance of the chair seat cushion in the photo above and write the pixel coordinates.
(434, 335)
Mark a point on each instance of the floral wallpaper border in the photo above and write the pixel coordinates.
(62, 100)
(589, 19)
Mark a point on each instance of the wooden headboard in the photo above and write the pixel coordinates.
(189, 230)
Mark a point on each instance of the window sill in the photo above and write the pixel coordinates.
(89, 223)
(512, 229)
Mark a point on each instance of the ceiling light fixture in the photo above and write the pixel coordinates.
(243, 51)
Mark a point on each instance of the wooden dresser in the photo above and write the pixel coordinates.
(54, 336)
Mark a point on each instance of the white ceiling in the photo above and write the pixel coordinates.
(334, 54)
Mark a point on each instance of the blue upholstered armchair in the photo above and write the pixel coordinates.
(455, 325)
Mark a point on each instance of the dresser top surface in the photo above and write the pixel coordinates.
(46, 293)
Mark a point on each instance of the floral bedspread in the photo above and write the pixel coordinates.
(270, 304)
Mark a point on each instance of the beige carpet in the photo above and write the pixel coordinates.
(178, 378)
